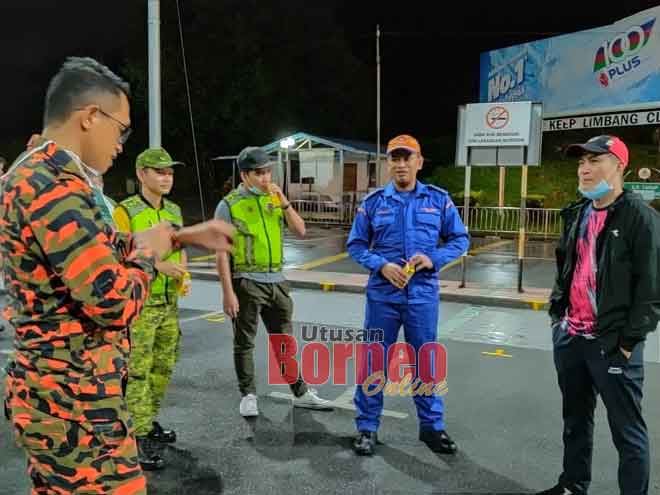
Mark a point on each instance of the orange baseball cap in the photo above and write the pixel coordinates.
(405, 142)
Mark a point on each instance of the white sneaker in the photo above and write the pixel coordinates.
(248, 406)
(310, 400)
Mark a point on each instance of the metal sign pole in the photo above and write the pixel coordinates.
(523, 223)
(466, 218)
(500, 199)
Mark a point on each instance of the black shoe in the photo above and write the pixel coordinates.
(365, 443)
(149, 461)
(438, 441)
(556, 490)
(158, 434)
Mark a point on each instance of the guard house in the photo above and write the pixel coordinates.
(328, 169)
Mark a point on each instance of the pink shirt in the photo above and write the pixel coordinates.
(581, 317)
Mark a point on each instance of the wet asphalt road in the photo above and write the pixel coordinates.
(504, 412)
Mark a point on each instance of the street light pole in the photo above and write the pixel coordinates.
(377, 105)
(153, 20)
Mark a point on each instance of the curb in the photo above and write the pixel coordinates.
(475, 299)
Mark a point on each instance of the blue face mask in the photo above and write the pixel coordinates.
(601, 190)
(256, 190)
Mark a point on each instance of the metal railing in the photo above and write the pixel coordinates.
(483, 219)
(325, 212)
(506, 220)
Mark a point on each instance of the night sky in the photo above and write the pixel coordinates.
(430, 50)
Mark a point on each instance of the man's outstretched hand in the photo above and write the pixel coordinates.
(214, 235)
(157, 239)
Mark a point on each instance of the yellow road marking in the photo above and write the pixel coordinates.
(215, 318)
(489, 247)
(201, 317)
(537, 305)
(203, 258)
(449, 265)
(326, 260)
(323, 261)
(497, 353)
(327, 286)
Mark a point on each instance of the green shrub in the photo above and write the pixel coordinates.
(476, 198)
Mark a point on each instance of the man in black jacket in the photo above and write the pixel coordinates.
(605, 300)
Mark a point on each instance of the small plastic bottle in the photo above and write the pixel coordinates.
(184, 284)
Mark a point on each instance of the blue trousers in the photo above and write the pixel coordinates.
(420, 324)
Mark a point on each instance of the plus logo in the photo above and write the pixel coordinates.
(620, 56)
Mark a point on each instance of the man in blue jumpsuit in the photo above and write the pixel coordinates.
(404, 222)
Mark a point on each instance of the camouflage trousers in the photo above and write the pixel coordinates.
(155, 339)
(72, 458)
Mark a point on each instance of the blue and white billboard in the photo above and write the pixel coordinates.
(611, 68)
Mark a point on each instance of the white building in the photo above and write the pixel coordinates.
(331, 169)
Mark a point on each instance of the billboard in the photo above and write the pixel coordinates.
(611, 68)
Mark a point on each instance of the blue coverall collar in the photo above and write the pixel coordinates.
(390, 190)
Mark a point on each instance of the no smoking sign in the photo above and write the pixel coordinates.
(498, 124)
(497, 117)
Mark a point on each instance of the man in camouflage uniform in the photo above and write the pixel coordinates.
(155, 335)
(3, 164)
(74, 286)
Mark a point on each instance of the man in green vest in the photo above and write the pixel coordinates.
(252, 281)
(155, 334)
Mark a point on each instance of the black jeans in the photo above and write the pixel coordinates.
(585, 368)
(273, 303)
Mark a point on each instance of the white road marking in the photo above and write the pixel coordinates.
(340, 404)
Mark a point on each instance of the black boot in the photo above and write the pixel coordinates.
(365, 443)
(438, 441)
(158, 434)
(149, 460)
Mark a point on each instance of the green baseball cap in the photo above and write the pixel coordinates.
(155, 158)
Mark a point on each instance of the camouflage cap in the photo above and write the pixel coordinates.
(155, 158)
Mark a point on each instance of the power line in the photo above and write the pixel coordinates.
(192, 122)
